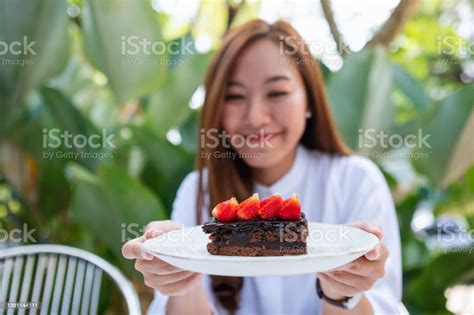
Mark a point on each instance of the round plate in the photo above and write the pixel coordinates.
(329, 246)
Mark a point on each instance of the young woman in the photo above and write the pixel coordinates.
(264, 86)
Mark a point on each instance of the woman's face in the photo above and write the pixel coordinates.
(265, 104)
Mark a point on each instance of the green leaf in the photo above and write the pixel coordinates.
(359, 95)
(169, 107)
(167, 158)
(64, 113)
(37, 34)
(112, 205)
(167, 164)
(450, 130)
(459, 197)
(115, 47)
(412, 88)
(428, 290)
(67, 118)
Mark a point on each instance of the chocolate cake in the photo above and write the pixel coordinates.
(271, 227)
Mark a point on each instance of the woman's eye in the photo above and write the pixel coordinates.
(233, 97)
(277, 94)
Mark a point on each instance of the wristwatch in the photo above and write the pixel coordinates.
(348, 303)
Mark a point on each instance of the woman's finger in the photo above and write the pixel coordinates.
(336, 286)
(374, 254)
(180, 287)
(152, 233)
(350, 279)
(133, 250)
(361, 266)
(161, 280)
(156, 266)
(163, 226)
(368, 226)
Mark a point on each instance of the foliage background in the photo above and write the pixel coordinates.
(407, 77)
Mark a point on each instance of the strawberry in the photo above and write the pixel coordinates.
(226, 211)
(291, 209)
(248, 209)
(270, 207)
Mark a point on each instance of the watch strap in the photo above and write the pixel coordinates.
(347, 303)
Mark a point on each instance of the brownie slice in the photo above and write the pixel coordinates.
(257, 237)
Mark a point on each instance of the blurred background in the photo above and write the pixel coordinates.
(128, 74)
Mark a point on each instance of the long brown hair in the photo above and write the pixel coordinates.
(228, 178)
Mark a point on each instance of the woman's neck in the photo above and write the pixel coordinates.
(270, 175)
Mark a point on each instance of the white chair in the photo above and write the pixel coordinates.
(63, 279)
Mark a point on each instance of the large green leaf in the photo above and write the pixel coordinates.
(114, 45)
(460, 197)
(112, 205)
(359, 95)
(64, 113)
(411, 87)
(36, 33)
(169, 107)
(444, 271)
(167, 158)
(450, 149)
(167, 164)
(66, 118)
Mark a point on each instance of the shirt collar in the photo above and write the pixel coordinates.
(288, 184)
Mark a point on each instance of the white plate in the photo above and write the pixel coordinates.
(329, 246)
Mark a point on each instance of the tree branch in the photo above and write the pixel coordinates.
(329, 15)
(395, 23)
(233, 9)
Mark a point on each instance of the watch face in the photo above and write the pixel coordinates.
(353, 301)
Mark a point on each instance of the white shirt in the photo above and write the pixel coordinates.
(332, 190)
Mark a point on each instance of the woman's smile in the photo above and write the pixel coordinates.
(263, 138)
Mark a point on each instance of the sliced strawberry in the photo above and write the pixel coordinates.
(270, 207)
(226, 211)
(248, 209)
(291, 209)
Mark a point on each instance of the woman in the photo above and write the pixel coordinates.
(263, 86)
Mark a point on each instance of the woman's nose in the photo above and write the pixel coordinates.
(258, 114)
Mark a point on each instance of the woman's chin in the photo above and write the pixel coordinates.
(259, 158)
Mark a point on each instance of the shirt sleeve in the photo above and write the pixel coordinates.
(367, 197)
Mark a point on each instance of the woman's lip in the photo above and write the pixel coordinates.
(258, 136)
(261, 133)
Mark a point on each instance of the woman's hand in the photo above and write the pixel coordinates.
(159, 275)
(360, 274)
